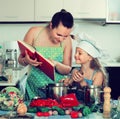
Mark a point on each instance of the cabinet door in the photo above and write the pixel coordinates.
(113, 11)
(86, 8)
(93, 9)
(16, 10)
(44, 9)
(73, 6)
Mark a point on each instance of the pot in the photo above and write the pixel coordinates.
(55, 91)
(93, 94)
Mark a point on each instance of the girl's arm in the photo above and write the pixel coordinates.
(98, 79)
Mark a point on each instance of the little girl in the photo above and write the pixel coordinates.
(91, 72)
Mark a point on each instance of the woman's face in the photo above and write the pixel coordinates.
(60, 33)
(81, 57)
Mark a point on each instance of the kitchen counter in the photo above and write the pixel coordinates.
(111, 64)
(94, 115)
(90, 116)
(104, 63)
(17, 74)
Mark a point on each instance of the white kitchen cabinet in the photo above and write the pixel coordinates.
(113, 11)
(73, 6)
(93, 9)
(16, 10)
(87, 9)
(44, 9)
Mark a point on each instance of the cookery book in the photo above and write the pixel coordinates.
(47, 66)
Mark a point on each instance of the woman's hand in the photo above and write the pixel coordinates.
(66, 81)
(30, 61)
(77, 76)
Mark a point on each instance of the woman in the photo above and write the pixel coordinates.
(54, 43)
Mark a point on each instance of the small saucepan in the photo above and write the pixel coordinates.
(55, 91)
(93, 94)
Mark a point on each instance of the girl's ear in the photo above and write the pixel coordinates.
(90, 58)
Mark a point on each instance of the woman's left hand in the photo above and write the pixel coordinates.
(31, 61)
(66, 81)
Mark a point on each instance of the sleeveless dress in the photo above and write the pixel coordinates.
(37, 79)
(90, 81)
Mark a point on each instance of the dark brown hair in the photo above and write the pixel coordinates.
(63, 17)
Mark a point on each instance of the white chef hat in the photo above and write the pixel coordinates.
(88, 45)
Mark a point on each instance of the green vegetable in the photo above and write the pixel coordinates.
(32, 110)
(59, 110)
(77, 108)
(43, 109)
(86, 111)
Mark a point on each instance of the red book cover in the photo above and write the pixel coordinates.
(26, 47)
(47, 66)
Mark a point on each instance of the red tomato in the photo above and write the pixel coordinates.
(74, 114)
(39, 114)
(46, 114)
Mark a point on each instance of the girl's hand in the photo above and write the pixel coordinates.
(30, 61)
(77, 76)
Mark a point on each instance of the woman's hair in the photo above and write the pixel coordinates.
(95, 64)
(63, 17)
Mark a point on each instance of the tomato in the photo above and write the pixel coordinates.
(39, 114)
(46, 114)
(74, 114)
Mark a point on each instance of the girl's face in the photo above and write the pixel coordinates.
(82, 57)
(60, 33)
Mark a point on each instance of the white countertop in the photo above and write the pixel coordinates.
(104, 63)
(111, 64)
(17, 74)
(90, 116)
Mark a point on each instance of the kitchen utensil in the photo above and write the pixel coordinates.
(55, 91)
(92, 94)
